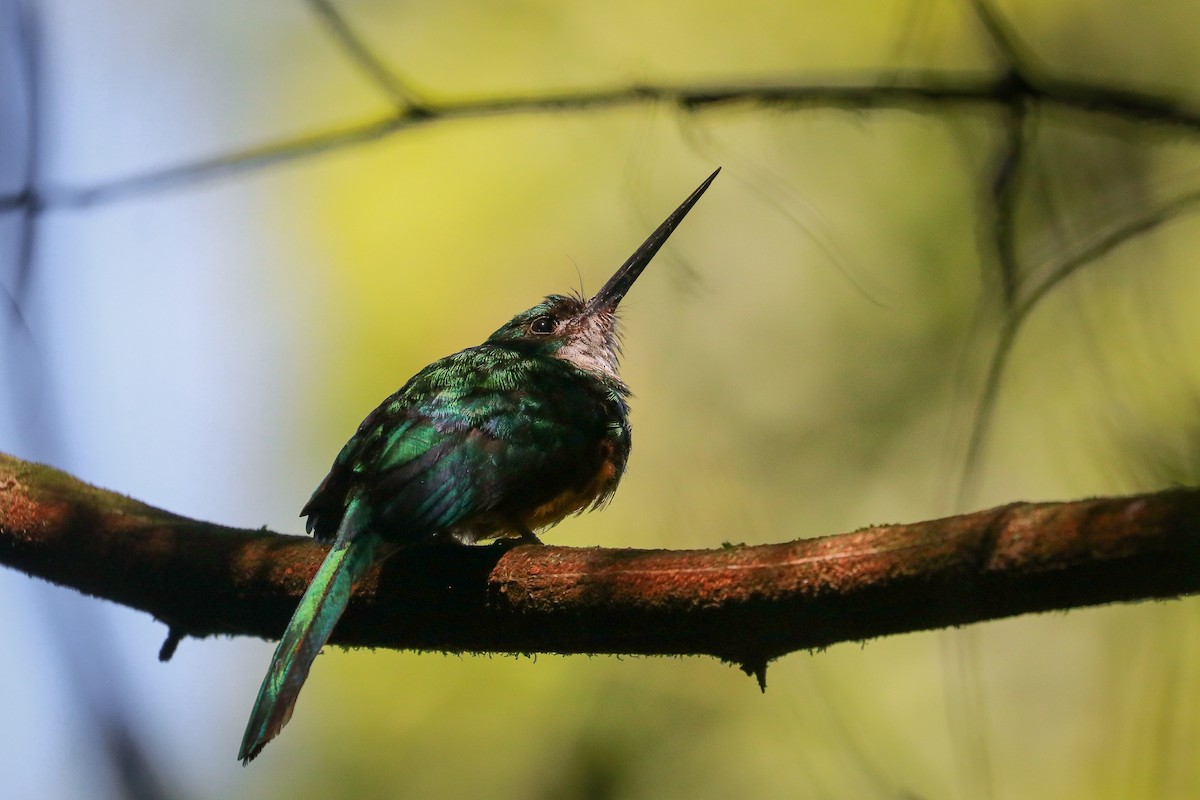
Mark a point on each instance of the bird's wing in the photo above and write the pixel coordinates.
(476, 433)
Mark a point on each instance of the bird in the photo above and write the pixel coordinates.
(495, 441)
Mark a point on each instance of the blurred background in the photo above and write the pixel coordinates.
(810, 354)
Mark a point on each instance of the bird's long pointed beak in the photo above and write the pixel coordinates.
(611, 293)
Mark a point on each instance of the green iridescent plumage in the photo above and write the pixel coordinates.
(465, 449)
(500, 439)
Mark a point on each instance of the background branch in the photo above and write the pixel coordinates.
(918, 92)
(744, 604)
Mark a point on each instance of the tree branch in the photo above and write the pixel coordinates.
(920, 92)
(745, 604)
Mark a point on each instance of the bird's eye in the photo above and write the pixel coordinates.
(542, 325)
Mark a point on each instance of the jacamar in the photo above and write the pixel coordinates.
(494, 441)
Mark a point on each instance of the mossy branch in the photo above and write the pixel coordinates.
(745, 604)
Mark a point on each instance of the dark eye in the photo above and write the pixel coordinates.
(542, 325)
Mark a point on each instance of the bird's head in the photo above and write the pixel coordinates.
(584, 332)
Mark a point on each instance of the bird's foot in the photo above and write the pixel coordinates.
(528, 536)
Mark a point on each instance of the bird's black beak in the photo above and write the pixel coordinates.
(611, 293)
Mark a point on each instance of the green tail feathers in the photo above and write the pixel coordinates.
(310, 627)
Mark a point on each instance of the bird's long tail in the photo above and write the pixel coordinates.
(310, 627)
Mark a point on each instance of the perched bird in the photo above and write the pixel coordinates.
(497, 440)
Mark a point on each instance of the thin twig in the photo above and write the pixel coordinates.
(1016, 56)
(29, 44)
(1014, 322)
(1005, 196)
(936, 90)
(398, 91)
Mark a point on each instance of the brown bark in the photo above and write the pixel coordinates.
(745, 604)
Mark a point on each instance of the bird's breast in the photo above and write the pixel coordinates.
(574, 499)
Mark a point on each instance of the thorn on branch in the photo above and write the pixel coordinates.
(757, 669)
(174, 637)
